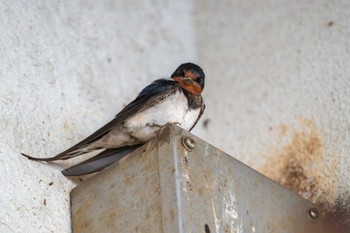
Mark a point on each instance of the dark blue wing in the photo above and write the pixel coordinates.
(100, 161)
(150, 95)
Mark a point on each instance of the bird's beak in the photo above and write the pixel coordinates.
(182, 79)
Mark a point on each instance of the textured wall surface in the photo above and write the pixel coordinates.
(67, 67)
(278, 94)
(277, 90)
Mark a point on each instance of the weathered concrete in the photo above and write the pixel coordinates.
(277, 88)
(67, 68)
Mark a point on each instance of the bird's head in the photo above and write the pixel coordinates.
(191, 78)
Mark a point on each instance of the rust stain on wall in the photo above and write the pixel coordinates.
(301, 165)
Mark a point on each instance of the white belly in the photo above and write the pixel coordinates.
(174, 109)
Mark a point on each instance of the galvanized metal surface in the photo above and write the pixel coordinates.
(165, 187)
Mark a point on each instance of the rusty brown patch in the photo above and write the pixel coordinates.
(300, 165)
(336, 215)
(282, 130)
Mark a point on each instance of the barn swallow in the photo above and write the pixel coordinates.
(175, 100)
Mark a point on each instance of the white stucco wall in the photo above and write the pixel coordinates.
(277, 89)
(66, 68)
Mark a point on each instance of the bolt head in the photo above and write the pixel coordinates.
(188, 142)
(313, 214)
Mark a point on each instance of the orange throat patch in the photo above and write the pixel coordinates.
(192, 87)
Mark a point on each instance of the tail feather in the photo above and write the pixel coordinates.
(61, 157)
(100, 161)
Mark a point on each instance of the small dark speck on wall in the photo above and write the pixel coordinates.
(330, 23)
(206, 123)
(206, 228)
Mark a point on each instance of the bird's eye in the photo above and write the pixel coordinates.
(180, 73)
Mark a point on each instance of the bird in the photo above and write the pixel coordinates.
(176, 100)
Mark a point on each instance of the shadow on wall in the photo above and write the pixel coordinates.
(302, 166)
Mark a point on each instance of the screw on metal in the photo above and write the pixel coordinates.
(313, 214)
(188, 142)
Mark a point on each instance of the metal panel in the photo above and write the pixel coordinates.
(164, 187)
